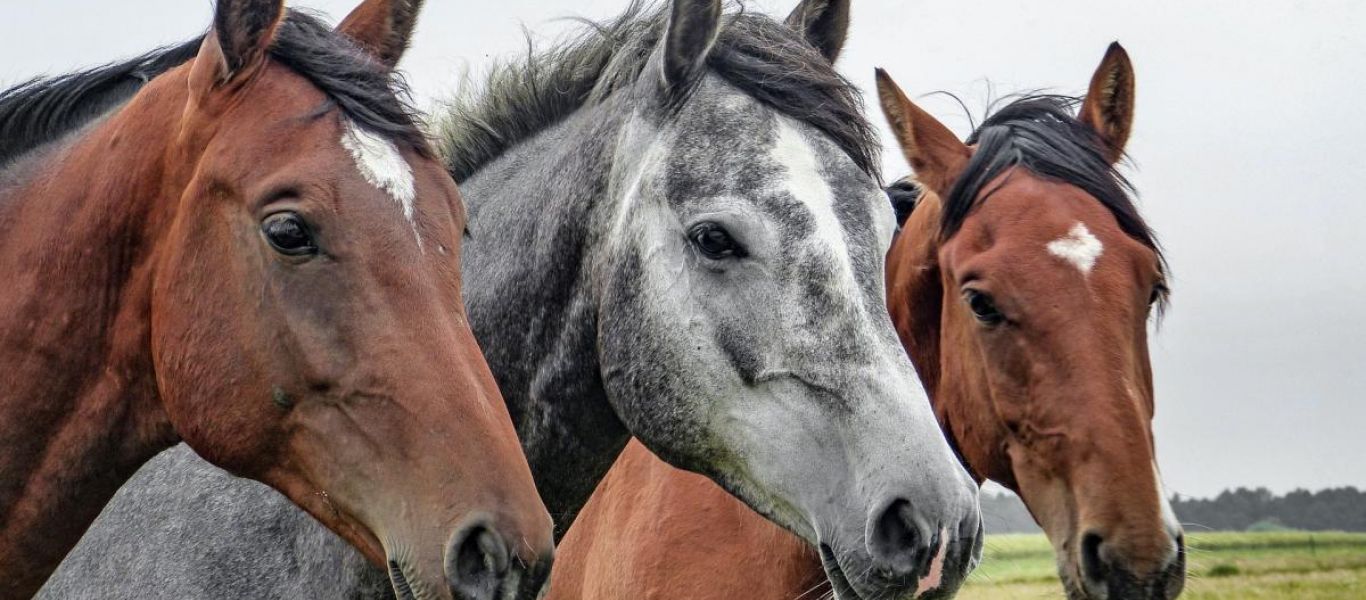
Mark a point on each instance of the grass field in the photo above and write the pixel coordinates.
(1222, 566)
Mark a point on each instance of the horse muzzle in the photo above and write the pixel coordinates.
(480, 563)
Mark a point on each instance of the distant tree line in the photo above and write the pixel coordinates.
(1333, 509)
(1342, 509)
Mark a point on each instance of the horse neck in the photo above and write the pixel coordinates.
(79, 409)
(529, 292)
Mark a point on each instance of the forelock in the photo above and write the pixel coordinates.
(1040, 133)
(43, 110)
(758, 55)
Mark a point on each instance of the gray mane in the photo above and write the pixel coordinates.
(761, 57)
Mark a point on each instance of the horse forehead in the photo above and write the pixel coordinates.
(1041, 235)
(290, 102)
(1078, 247)
(382, 165)
(833, 216)
(802, 176)
(735, 146)
(1040, 212)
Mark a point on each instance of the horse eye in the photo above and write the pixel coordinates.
(983, 307)
(713, 241)
(1158, 292)
(288, 234)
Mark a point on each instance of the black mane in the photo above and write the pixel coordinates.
(372, 95)
(42, 110)
(904, 194)
(1040, 133)
(761, 57)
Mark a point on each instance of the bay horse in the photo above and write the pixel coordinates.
(677, 233)
(1021, 285)
(256, 252)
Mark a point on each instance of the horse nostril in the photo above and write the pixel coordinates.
(1177, 566)
(476, 562)
(1093, 566)
(1174, 579)
(896, 542)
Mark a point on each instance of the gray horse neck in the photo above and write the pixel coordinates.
(532, 304)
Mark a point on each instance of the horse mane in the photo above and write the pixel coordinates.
(1041, 133)
(760, 56)
(904, 194)
(44, 109)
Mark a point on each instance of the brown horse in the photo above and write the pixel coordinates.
(1021, 285)
(257, 253)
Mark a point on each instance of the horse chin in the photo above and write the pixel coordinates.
(523, 582)
(403, 590)
(942, 583)
(408, 583)
(1071, 584)
(1164, 586)
(840, 586)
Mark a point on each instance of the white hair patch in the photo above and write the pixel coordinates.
(804, 181)
(1169, 519)
(381, 164)
(1078, 247)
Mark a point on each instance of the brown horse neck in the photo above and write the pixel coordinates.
(79, 410)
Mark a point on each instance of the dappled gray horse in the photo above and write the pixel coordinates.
(677, 233)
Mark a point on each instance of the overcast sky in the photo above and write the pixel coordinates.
(1248, 154)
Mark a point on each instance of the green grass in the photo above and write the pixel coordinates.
(1221, 566)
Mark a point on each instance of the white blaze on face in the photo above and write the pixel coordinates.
(1078, 247)
(650, 150)
(885, 216)
(1168, 515)
(381, 164)
(804, 181)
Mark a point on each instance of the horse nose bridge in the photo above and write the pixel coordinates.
(915, 466)
(1102, 419)
(1100, 380)
(1114, 444)
(434, 359)
(891, 406)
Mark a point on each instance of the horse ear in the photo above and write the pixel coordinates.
(242, 33)
(824, 23)
(693, 27)
(1109, 105)
(935, 153)
(382, 27)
